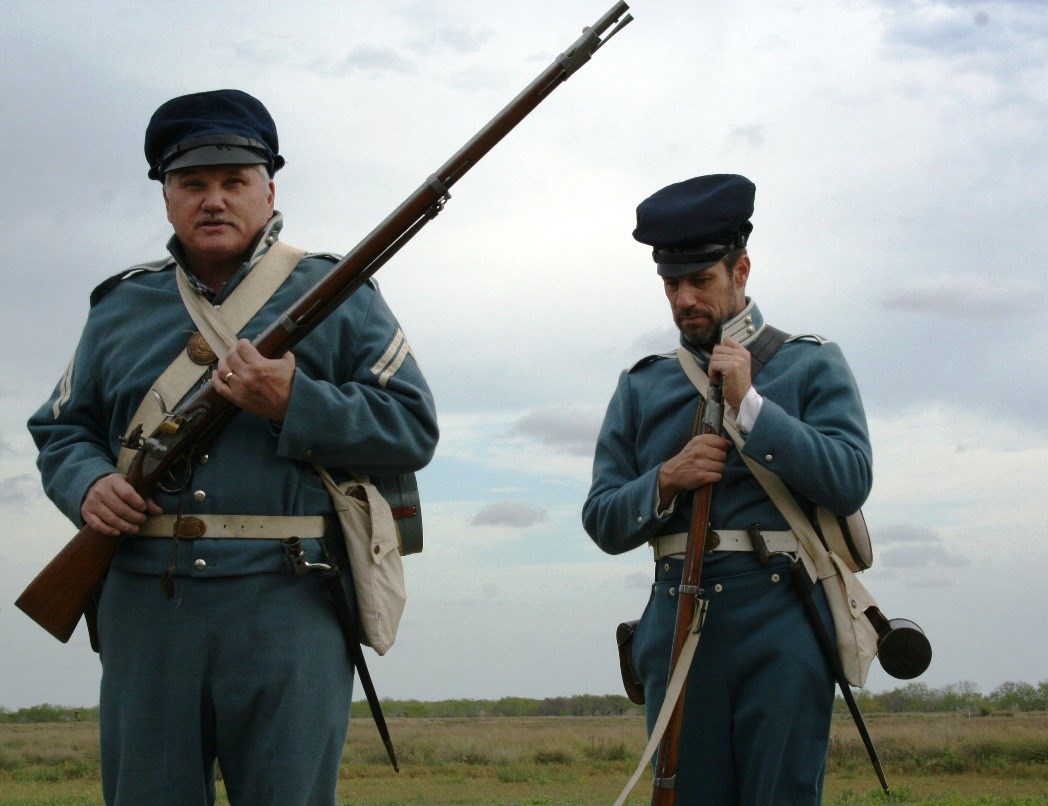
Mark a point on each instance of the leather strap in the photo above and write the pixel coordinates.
(762, 348)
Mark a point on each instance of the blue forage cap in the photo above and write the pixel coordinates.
(693, 224)
(220, 127)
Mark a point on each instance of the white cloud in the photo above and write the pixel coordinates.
(572, 429)
(514, 514)
(19, 490)
(966, 298)
(891, 174)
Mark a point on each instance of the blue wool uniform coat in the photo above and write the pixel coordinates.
(758, 669)
(246, 662)
(342, 413)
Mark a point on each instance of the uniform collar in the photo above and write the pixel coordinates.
(745, 326)
(269, 236)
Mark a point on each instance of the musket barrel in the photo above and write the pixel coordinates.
(57, 596)
(663, 791)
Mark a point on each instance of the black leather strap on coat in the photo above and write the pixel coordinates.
(764, 347)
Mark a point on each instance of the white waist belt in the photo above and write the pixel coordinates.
(722, 540)
(271, 527)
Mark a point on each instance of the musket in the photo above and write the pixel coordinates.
(57, 596)
(691, 608)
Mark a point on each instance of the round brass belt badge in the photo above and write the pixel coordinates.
(190, 527)
(199, 351)
(712, 541)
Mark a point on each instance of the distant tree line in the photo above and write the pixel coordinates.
(578, 705)
(49, 713)
(963, 697)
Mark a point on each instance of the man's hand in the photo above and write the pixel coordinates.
(112, 507)
(261, 386)
(700, 463)
(730, 365)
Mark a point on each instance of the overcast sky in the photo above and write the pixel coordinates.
(898, 150)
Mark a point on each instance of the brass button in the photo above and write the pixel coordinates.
(718, 587)
(199, 351)
(199, 496)
(768, 457)
(200, 565)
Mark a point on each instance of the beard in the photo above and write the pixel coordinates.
(707, 336)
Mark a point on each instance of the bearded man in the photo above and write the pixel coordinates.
(759, 694)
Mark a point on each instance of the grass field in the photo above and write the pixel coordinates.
(945, 759)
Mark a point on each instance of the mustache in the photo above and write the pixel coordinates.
(207, 220)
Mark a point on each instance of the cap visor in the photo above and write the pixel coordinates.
(684, 269)
(216, 155)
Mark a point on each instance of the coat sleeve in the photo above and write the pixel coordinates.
(381, 420)
(620, 510)
(71, 435)
(824, 454)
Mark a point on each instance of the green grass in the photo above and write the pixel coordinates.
(941, 759)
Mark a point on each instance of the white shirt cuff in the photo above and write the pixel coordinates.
(748, 411)
(662, 513)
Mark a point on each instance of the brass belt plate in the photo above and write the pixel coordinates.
(712, 540)
(190, 527)
(199, 351)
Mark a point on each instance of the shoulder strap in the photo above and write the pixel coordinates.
(218, 326)
(107, 285)
(762, 348)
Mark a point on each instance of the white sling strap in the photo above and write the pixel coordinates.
(679, 675)
(218, 326)
(669, 702)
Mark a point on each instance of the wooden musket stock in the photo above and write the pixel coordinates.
(663, 790)
(56, 598)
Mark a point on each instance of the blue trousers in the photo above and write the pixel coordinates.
(249, 670)
(759, 695)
